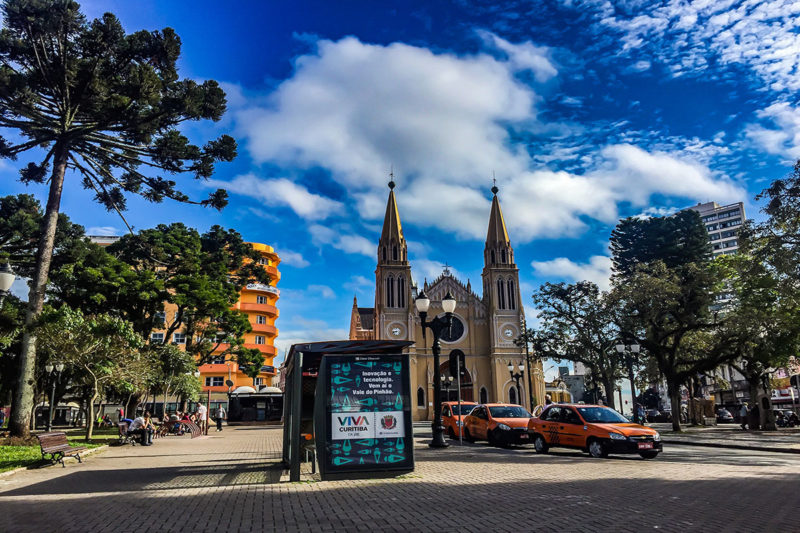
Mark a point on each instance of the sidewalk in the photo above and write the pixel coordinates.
(785, 440)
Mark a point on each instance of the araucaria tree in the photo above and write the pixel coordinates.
(86, 98)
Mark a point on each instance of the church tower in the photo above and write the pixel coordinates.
(393, 278)
(501, 282)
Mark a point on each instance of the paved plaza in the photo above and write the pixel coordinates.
(231, 482)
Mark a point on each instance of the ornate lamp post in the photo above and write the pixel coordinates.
(517, 376)
(54, 371)
(6, 280)
(437, 326)
(629, 350)
(447, 382)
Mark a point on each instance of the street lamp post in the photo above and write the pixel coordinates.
(527, 362)
(516, 376)
(629, 350)
(6, 280)
(437, 326)
(447, 382)
(54, 371)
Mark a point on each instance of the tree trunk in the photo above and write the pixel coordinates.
(608, 385)
(23, 400)
(90, 409)
(674, 391)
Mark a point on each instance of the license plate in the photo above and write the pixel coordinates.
(645, 445)
(524, 436)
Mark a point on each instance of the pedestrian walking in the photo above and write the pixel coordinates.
(743, 415)
(120, 414)
(202, 416)
(219, 416)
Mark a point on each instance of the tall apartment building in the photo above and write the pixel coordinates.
(259, 302)
(723, 223)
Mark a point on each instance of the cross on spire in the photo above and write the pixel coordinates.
(391, 178)
(446, 269)
(495, 190)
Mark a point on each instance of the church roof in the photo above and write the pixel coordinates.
(392, 229)
(367, 316)
(497, 225)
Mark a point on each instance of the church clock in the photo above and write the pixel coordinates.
(455, 332)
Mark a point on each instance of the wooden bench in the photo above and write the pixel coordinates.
(56, 446)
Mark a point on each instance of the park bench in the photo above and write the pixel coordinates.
(192, 427)
(56, 446)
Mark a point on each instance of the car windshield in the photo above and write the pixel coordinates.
(465, 408)
(601, 415)
(509, 411)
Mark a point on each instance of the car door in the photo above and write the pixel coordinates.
(551, 420)
(570, 430)
(447, 417)
(482, 424)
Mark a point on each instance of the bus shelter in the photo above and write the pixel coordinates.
(349, 402)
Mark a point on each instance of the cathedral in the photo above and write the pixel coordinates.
(484, 327)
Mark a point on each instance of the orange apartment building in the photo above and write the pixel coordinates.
(259, 302)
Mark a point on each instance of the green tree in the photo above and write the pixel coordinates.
(663, 288)
(87, 97)
(250, 361)
(99, 350)
(577, 325)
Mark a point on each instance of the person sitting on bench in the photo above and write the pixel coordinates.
(143, 427)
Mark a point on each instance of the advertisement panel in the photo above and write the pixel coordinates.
(368, 414)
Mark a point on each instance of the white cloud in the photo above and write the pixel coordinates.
(291, 258)
(597, 270)
(283, 192)
(524, 56)
(359, 284)
(20, 288)
(781, 134)
(321, 291)
(307, 331)
(102, 231)
(688, 36)
(347, 242)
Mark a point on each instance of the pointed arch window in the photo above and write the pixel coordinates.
(401, 291)
(421, 398)
(512, 295)
(501, 294)
(390, 291)
(484, 395)
(491, 253)
(383, 253)
(503, 256)
(394, 253)
(512, 395)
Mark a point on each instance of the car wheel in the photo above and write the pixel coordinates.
(540, 445)
(467, 436)
(648, 455)
(597, 449)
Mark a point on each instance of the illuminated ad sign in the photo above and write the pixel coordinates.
(369, 414)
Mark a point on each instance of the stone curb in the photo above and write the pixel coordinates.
(731, 446)
(82, 454)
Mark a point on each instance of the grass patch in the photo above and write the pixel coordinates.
(15, 453)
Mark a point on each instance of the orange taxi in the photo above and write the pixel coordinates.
(596, 429)
(452, 420)
(498, 423)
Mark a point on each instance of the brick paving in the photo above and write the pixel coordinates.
(230, 482)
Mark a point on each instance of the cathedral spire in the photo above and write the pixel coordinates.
(392, 246)
(498, 246)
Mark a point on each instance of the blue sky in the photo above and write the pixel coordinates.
(585, 110)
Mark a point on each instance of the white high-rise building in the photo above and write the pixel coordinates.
(723, 223)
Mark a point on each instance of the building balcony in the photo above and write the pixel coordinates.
(260, 287)
(263, 348)
(266, 309)
(265, 328)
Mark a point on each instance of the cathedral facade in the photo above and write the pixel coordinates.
(484, 327)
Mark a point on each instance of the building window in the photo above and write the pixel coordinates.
(421, 398)
(484, 395)
(503, 256)
(157, 337)
(263, 261)
(215, 381)
(501, 295)
(512, 295)
(394, 253)
(217, 360)
(261, 299)
(261, 319)
(383, 253)
(512, 395)
(160, 318)
(259, 381)
(390, 291)
(401, 291)
(179, 338)
(492, 256)
(260, 339)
